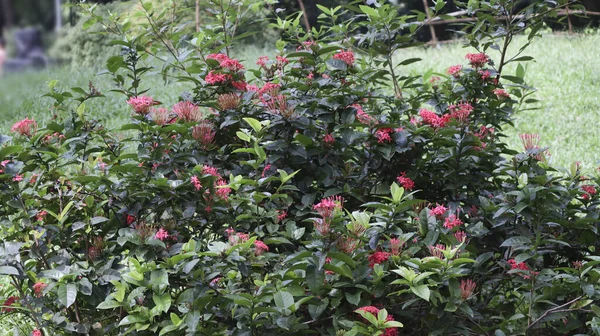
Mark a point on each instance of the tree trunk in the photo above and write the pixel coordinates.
(8, 14)
(57, 15)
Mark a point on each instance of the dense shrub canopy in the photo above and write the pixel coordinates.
(317, 192)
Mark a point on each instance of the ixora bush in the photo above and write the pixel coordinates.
(328, 195)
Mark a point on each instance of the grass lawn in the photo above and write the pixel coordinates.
(566, 73)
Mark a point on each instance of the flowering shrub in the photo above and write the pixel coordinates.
(329, 195)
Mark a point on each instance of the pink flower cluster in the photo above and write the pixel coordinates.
(438, 211)
(187, 111)
(162, 234)
(345, 56)
(141, 104)
(36, 332)
(326, 208)
(260, 247)
(214, 78)
(500, 93)
(383, 135)
(460, 111)
(452, 221)
(454, 71)
(405, 181)
(38, 288)
(363, 117)
(227, 63)
(25, 127)
(477, 60)
(329, 139)
(196, 182)
(396, 246)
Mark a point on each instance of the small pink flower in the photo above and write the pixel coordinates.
(438, 211)
(204, 133)
(210, 170)
(260, 247)
(229, 101)
(461, 236)
(196, 182)
(329, 139)
(231, 65)
(240, 85)
(262, 61)
(405, 182)
(25, 127)
(383, 135)
(396, 245)
(454, 71)
(466, 288)
(222, 190)
(215, 282)
(477, 60)
(187, 111)
(281, 215)
(265, 170)
(345, 56)
(218, 57)
(460, 111)
(160, 116)
(267, 92)
(41, 216)
(281, 61)
(501, 94)
(452, 221)
(162, 234)
(38, 288)
(327, 206)
(437, 251)
(310, 76)
(485, 75)
(362, 116)
(522, 267)
(18, 178)
(141, 104)
(589, 191)
(215, 78)
(36, 332)
(377, 258)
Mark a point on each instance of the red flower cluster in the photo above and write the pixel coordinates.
(326, 209)
(378, 257)
(329, 139)
(521, 266)
(501, 93)
(9, 302)
(196, 182)
(383, 135)
(431, 118)
(589, 191)
(438, 211)
(36, 332)
(452, 221)
(375, 311)
(204, 133)
(405, 182)
(364, 117)
(460, 111)
(226, 62)
(214, 78)
(345, 56)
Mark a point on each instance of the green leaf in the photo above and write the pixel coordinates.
(421, 291)
(114, 63)
(67, 294)
(371, 13)
(397, 192)
(255, 124)
(130, 319)
(108, 304)
(9, 270)
(518, 241)
(163, 302)
(175, 319)
(283, 299)
(314, 278)
(353, 298)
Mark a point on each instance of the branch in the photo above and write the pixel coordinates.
(557, 309)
